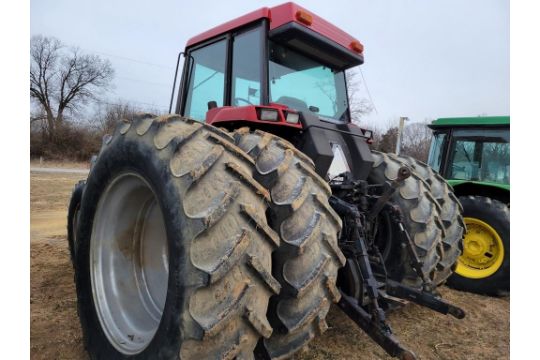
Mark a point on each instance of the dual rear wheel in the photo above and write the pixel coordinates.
(194, 243)
(188, 244)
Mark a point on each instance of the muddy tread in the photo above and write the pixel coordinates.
(421, 219)
(450, 216)
(229, 268)
(214, 167)
(307, 261)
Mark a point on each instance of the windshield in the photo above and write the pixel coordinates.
(306, 85)
(482, 155)
(435, 151)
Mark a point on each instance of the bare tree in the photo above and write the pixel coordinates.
(62, 79)
(358, 106)
(107, 116)
(387, 141)
(417, 140)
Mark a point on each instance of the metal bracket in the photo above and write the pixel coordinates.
(403, 173)
(422, 298)
(416, 263)
(382, 335)
(371, 317)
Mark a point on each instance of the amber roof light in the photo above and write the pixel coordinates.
(356, 46)
(304, 17)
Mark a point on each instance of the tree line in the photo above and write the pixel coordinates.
(67, 85)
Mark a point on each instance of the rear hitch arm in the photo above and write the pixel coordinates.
(423, 298)
(379, 332)
(372, 320)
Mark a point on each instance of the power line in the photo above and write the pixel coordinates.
(367, 90)
(130, 59)
(168, 86)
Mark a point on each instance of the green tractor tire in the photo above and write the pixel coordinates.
(484, 267)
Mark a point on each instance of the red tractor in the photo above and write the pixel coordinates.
(227, 230)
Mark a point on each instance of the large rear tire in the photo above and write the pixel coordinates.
(421, 219)
(450, 216)
(174, 252)
(73, 217)
(307, 262)
(484, 267)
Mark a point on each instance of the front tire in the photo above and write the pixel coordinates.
(174, 252)
(484, 267)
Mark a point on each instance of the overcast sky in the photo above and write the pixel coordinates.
(423, 59)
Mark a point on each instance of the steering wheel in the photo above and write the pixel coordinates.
(237, 99)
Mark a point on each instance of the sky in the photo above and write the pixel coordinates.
(423, 59)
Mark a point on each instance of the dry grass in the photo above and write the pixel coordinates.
(59, 164)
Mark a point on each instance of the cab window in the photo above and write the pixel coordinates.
(247, 68)
(435, 152)
(206, 79)
(482, 155)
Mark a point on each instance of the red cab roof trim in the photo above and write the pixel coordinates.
(286, 13)
(278, 16)
(230, 25)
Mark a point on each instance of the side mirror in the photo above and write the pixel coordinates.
(212, 104)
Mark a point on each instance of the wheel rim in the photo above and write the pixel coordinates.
(129, 263)
(483, 250)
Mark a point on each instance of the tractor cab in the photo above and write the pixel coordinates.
(472, 150)
(282, 70)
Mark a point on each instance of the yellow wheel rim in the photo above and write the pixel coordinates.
(483, 250)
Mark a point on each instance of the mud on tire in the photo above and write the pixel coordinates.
(421, 219)
(450, 216)
(218, 244)
(307, 262)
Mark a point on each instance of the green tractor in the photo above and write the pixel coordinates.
(473, 154)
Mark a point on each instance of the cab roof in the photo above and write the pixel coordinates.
(280, 15)
(471, 121)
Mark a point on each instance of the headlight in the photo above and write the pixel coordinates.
(268, 115)
(292, 118)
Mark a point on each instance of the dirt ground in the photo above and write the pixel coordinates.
(59, 164)
(55, 331)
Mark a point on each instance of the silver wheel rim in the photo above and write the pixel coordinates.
(129, 263)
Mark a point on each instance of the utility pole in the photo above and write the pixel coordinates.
(400, 133)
